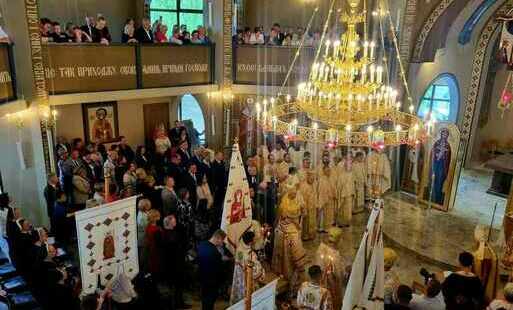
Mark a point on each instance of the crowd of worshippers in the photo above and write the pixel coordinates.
(276, 36)
(96, 30)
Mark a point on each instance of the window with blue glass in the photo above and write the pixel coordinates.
(190, 113)
(441, 99)
(178, 12)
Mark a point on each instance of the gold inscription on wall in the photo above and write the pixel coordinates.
(89, 68)
(270, 65)
(168, 66)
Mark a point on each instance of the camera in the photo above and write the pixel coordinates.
(426, 275)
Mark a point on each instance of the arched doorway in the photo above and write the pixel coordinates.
(441, 99)
(191, 114)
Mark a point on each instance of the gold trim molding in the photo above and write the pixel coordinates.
(428, 26)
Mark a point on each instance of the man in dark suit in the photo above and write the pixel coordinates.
(144, 34)
(50, 193)
(190, 182)
(210, 261)
(219, 183)
(175, 170)
(183, 151)
(125, 150)
(90, 28)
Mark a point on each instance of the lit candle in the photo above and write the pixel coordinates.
(372, 46)
(397, 131)
(370, 102)
(364, 73)
(379, 74)
(370, 129)
(398, 105)
(327, 48)
(350, 102)
(258, 110)
(365, 49)
(336, 47)
(371, 74)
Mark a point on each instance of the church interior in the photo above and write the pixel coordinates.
(230, 154)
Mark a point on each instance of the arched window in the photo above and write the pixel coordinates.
(441, 99)
(189, 112)
(177, 12)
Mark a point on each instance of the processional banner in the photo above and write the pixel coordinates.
(237, 213)
(365, 289)
(263, 299)
(107, 243)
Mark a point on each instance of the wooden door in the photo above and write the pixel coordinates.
(154, 115)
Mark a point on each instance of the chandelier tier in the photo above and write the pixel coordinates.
(346, 100)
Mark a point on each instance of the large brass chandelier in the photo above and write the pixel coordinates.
(346, 100)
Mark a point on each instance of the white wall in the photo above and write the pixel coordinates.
(24, 186)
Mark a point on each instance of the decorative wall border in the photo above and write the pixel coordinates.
(477, 69)
(409, 20)
(428, 25)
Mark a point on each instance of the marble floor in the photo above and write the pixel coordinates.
(472, 201)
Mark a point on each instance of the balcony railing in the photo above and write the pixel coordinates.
(79, 68)
(268, 65)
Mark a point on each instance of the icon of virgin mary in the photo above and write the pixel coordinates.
(237, 211)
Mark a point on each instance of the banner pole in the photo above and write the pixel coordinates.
(248, 285)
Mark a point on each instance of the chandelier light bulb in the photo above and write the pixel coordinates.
(411, 108)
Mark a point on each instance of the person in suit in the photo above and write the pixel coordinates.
(176, 170)
(89, 28)
(73, 162)
(125, 150)
(219, 183)
(190, 182)
(210, 261)
(183, 151)
(50, 193)
(142, 158)
(144, 33)
(62, 145)
(169, 197)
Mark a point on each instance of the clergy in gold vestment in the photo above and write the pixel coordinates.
(270, 170)
(244, 255)
(327, 198)
(308, 192)
(345, 193)
(304, 170)
(289, 256)
(360, 178)
(485, 263)
(334, 266)
(378, 174)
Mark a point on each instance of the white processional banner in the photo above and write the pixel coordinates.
(365, 289)
(107, 242)
(237, 213)
(262, 299)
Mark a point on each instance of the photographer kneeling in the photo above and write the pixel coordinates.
(431, 300)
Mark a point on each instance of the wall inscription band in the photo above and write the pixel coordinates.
(171, 66)
(269, 65)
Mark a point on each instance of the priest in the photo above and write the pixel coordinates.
(327, 196)
(244, 256)
(289, 256)
(378, 173)
(359, 172)
(485, 262)
(331, 261)
(308, 192)
(345, 193)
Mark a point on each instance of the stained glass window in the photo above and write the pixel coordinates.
(189, 111)
(441, 99)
